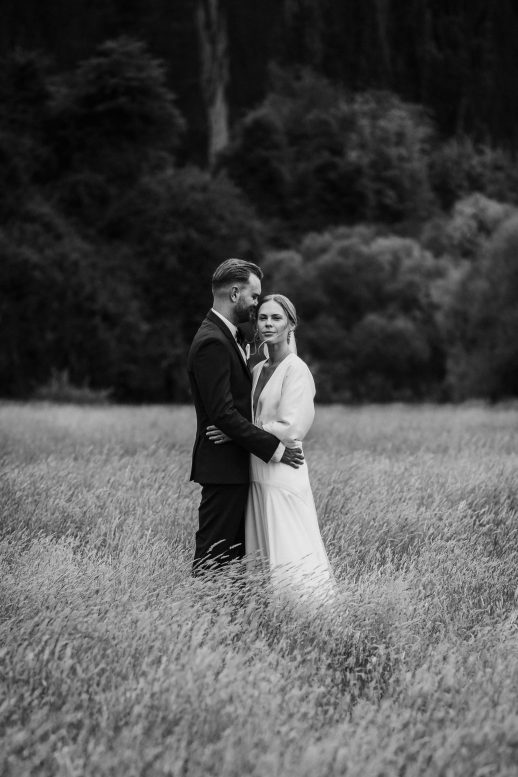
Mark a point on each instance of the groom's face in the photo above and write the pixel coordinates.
(248, 299)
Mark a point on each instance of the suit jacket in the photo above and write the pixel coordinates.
(221, 386)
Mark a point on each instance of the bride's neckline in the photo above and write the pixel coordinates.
(257, 394)
(268, 363)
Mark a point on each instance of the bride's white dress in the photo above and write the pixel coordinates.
(281, 521)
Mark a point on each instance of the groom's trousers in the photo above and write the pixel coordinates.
(221, 534)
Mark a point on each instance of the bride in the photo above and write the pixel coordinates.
(281, 524)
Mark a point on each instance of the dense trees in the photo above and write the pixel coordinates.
(397, 244)
(314, 155)
(369, 327)
(457, 59)
(104, 240)
(482, 319)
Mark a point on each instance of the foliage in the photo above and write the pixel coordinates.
(459, 167)
(65, 306)
(368, 315)
(25, 97)
(483, 320)
(473, 221)
(107, 245)
(316, 156)
(117, 315)
(60, 389)
(116, 114)
(178, 224)
(391, 358)
(459, 60)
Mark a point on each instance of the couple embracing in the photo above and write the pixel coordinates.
(256, 496)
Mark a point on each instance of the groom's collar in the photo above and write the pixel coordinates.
(228, 329)
(232, 327)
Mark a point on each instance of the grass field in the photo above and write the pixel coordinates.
(113, 661)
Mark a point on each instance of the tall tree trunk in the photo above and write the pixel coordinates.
(213, 38)
(382, 11)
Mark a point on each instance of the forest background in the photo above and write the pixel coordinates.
(363, 152)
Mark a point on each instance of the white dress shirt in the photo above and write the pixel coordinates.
(233, 329)
(279, 451)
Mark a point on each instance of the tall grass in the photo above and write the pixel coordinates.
(114, 661)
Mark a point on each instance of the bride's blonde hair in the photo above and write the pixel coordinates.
(285, 303)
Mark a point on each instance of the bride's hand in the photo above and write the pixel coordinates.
(216, 435)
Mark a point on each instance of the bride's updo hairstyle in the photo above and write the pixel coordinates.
(286, 304)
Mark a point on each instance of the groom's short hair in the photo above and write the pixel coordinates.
(234, 271)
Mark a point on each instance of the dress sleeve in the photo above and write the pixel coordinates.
(296, 409)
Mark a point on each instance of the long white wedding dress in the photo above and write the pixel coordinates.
(281, 522)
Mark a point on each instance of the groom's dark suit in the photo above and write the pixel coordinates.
(221, 385)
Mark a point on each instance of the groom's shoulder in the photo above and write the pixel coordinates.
(207, 332)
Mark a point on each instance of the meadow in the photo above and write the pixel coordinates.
(114, 661)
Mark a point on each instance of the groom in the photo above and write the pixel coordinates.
(221, 386)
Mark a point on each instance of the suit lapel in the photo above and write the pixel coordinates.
(213, 319)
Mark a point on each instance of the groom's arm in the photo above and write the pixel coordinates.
(212, 367)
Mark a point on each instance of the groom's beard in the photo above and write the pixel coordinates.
(246, 314)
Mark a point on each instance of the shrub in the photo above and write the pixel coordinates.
(257, 162)
(483, 321)
(178, 225)
(391, 140)
(25, 98)
(318, 156)
(115, 114)
(60, 389)
(181, 224)
(67, 306)
(473, 221)
(459, 167)
(390, 359)
(368, 317)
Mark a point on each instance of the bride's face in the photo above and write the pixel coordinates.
(272, 322)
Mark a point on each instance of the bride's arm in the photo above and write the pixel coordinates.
(296, 409)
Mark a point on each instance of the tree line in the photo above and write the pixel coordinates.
(458, 60)
(397, 245)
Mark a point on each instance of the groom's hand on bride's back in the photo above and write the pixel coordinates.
(293, 457)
